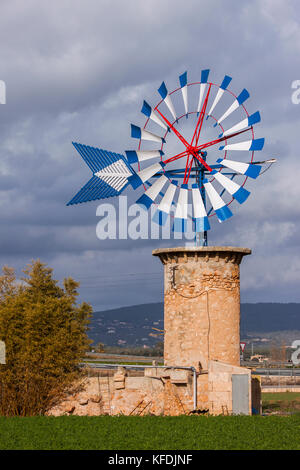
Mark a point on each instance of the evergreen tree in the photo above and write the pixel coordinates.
(45, 333)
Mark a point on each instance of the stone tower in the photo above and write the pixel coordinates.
(201, 305)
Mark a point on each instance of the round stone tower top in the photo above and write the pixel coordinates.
(167, 255)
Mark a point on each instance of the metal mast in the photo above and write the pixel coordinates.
(201, 237)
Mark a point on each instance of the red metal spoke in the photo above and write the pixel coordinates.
(188, 172)
(186, 167)
(214, 142)
(185, 143)
(196, 155)
(201, 118)
(190, 149)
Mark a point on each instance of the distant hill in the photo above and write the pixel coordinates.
(130, 324)
(264, 317)
(133, 324)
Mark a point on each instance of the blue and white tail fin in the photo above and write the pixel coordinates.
(110, 174)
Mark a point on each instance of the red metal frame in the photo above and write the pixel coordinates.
(193, 150)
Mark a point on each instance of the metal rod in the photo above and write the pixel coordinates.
(200, 237)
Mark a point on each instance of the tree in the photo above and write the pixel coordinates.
(45, 333)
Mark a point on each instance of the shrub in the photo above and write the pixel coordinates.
(45, 333)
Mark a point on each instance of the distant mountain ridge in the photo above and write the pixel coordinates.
(133, 324)
(264, 317)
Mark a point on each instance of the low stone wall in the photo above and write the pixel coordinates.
(280, 380)
(280, 389)
(159, 391)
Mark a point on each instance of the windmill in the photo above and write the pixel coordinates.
(210, 172)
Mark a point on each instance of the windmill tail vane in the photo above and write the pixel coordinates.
(110, 174)
(211, 176)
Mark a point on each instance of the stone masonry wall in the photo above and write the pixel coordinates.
(158, 392)
(161, 391)
(201, 308)
(202, 305)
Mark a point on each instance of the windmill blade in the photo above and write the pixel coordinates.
(167, 99)
(110, 174)
(247, 169)
(221, 209)
(148, 111)
(238, 192)
(199, 211)
(152, 192)
(243, 96)
(223, 87)
(183, 85)
(248, 145)
(139, 133)
(142, 176)
(164, 208)
(248, 122)
(204, 78)
(134, 156)
(181, 213)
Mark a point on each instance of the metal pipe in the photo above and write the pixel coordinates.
(100, 366)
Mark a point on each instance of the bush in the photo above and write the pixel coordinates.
(45, 335)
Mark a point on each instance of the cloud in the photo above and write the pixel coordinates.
(79, 71)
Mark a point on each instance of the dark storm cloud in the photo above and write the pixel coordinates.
(78, 71)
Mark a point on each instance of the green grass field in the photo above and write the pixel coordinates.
(281, 402)
(151, 432)
(281, 396)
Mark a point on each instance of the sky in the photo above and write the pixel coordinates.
(79, 71)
